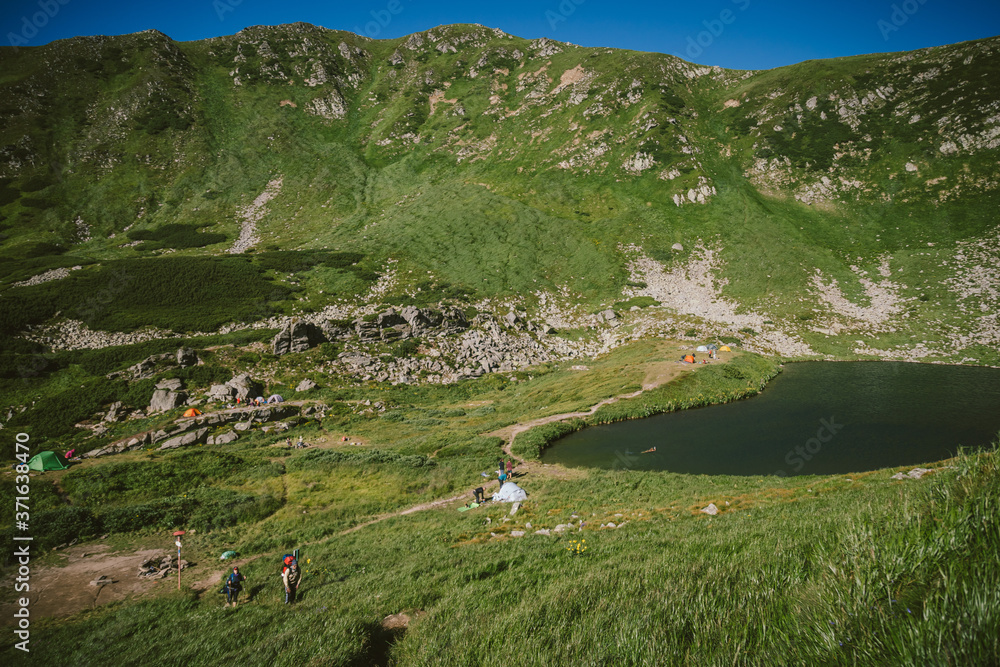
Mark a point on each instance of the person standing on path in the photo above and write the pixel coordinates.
(510, 469)
(234, 584)
(291, 576)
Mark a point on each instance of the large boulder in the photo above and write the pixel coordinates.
(114, 412)
(166, 399)
(337, 329)
(297, 337)
(390, 318)
(305, 385)
(367, 331)
(186, 439)
(173, 384)
(455, 319)
(245, 387)
(416, 318)
(186, 357)
(223, 439)
(221, 392)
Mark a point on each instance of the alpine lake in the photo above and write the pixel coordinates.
(815, 418)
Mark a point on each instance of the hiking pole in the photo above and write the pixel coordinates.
(178, 543)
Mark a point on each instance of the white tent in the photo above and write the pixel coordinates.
(701, 348)
(275, 398)
(510, 493)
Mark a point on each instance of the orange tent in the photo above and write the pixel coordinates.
(689, 358)
(192, 412)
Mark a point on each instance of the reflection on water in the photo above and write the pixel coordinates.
(815, 418)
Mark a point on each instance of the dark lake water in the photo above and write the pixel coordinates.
(815, 418)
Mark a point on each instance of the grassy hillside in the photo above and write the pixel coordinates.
(591, 211)
(507, 167)
(835, 569)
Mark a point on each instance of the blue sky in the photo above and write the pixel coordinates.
(745, 34)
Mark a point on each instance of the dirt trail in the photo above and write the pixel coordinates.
(64, 591)
(658, 374)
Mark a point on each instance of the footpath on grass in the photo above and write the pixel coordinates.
(658, 374)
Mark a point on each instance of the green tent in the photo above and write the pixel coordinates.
(45, 461)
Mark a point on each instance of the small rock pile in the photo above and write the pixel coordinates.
(151, 568)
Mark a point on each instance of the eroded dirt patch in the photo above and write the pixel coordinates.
(63, 591)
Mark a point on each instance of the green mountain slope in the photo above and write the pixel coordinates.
(507, 167)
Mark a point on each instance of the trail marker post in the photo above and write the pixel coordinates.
(178, 534)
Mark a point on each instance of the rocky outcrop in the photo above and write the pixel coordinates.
(305, 385)
(191, 438)
(297, 337)
(114, 413)
(186, 357)
(244, 387)
(120, 446)
(223, 438)
(156, 363)
(167, 396)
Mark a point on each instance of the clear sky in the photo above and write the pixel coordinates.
(742, 34)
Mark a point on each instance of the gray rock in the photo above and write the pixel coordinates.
(393, 333)
(221, 392)
(416, 318)
(455, 319)
(243, 426)
(334, 331)
(677, 246)
(305, 385)
(511, 318)
(711, 510)
(186, 439)
(164, 399)
(563, 527)
(367, 331)
(390, 318)
(608, 315)
(297, 337)
(113, 412)
(246, 387)
(172, 384)
(223, 438)
(186, 357)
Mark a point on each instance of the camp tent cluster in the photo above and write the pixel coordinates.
(711, 347)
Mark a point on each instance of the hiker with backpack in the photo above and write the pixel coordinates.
(291, 576)
(234, 584)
